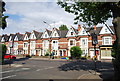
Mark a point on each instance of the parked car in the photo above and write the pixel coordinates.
(8, 56)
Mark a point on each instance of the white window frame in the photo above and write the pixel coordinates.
(55, 45)
(86, 42)
(45, 44)
(32, 44)
(74, 42)
(26, 45)
(104, 40)
(15, 44)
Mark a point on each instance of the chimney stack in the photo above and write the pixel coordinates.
(79, 27)
(95, 27)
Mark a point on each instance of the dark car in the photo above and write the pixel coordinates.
(8, 56)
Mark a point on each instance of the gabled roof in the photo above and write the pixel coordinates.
(28, 34)
(55, 29)
(39, 35)
(49, 32)
(36, 33)
(76, 31)
(12, 35)
(6, 37)
(112, 28)
(62, 33)
(20, 36)
(98, 29)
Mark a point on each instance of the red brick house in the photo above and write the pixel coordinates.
(39, 43)
(26, 45)
(18, 43)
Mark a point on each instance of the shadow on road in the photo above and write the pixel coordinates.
(7, 61)
(104, 68)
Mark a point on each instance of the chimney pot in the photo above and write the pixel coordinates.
(95, 27)
(79, 27)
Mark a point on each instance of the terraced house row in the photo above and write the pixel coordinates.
(39, 43)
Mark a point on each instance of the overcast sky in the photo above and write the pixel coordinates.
(28, 15)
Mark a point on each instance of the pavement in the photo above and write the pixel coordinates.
(103, 73)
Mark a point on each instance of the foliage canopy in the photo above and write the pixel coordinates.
(92, 13)
(63, 27)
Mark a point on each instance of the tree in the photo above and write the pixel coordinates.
(63, 27)
(75, 52)
(3, 50)
(3, 24)
(98, 12)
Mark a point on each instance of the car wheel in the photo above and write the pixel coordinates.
(14, 58)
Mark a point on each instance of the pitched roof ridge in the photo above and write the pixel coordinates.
(48, 30)
(35, 31)
(27, 32)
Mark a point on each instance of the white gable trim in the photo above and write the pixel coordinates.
(53, 33)
(16, 38)
(26, 37)
(105, 30)
(69, 33)
(31, 36)
(83, 32)
(2, 40)
(10, 38)
(43, 35)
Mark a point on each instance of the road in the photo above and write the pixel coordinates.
(49, 69)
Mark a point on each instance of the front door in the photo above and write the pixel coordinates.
(64, 52)
(60, 52)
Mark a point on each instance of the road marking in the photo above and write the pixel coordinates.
(49, 68)
(45, 68)
(6, 71)
(21, 69)
(83, 75)
(38, 69)
(8, 77)
(88, 74)
(25, 68)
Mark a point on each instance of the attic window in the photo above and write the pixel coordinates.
(55, 34)
(33, 36)
(83, 31)
(106, 30)
(71, 33)
(45, 35)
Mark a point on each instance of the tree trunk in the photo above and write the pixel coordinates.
(116, 61)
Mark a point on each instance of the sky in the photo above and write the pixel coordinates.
(28, 15)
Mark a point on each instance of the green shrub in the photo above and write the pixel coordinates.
(28, 56)
(75, 52)
(46, 54)
(3, 50)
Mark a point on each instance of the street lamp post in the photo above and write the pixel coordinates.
(47, 24)
(50, 37)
